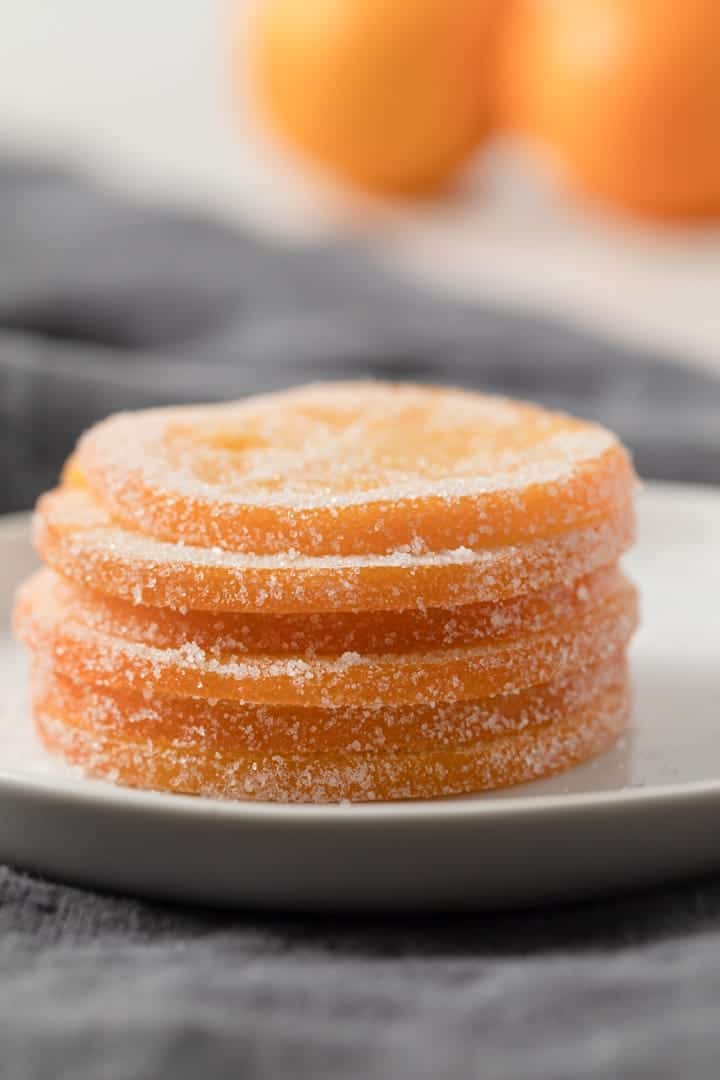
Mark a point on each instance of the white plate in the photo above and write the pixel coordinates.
(646, 812)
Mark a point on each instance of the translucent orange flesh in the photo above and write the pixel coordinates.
(228, 727)
(46, 622)
(336, 776)
(332, 633)
(76, 537)
(354, 469)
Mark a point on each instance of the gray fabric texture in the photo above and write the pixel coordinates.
(104, 306)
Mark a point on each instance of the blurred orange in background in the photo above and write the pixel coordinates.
(625, 94)
(391, 95)
(396, 96)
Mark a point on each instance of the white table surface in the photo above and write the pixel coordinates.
(137, 93)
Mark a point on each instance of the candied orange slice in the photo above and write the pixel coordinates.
(46, 622)
(230, 727)
(354, 469)
(501, 761)
(321, 634)
(76, 537)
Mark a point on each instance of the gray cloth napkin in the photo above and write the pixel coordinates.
(111, 989)
(104, 306)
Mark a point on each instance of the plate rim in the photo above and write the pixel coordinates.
(84, 793)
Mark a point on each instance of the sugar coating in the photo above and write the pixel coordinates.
(498, 762)
(76, 537)
(48, 625)
(352, 469)
(327, 633)
(278, 455)
(229, 727)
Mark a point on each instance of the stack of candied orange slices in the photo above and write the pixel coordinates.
(351, 591)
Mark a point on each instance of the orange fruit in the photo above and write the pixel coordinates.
(389, 95)
(626, 95)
